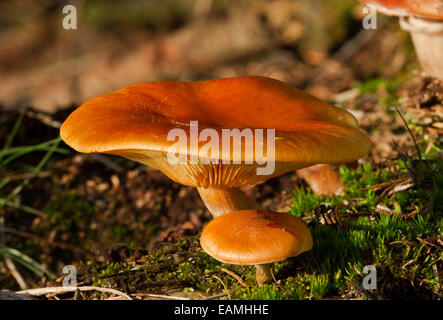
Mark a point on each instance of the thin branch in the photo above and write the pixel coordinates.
(46, 119)
(236, 276)
(160, 296)
(15, 273)
(8, 295)
(220, 295)
(61, 290)
(384, 184)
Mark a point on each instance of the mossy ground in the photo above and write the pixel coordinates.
(404, 245)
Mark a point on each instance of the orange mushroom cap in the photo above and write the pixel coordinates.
(134, 122)
(255, 237)
(424, 8)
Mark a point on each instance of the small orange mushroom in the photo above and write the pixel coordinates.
(256, 237)
(324, 179)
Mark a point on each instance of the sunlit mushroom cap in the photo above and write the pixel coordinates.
(134, 122)
(255, 237)
(424, 8)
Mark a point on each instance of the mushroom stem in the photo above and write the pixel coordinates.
(427, 36)
(263, 273)
(223, 200)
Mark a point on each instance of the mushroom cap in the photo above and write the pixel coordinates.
(323, 179)
(255, 237)
(423, 8)
(134, 122)
(427, 8)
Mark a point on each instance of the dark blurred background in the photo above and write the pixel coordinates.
(314, 44)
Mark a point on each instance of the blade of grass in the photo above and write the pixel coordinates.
(36, 170)
(38, 147)
(21, 151)
(26, 261)
(14, 131)
(24, 208)
(8, 150)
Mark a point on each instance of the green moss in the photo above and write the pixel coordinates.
(333, 268)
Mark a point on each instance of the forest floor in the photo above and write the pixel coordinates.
(128, 227)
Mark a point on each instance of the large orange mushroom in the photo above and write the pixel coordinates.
(298, 131)
(134, 122)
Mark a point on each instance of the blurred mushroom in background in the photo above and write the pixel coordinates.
(423, 19)
(323, 179)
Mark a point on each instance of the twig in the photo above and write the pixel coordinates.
(384, 184)
(407, 263)
(17, 276)
(224, 294)
(46, 119)
(426, 242)
(275, 280)
(9, 295)
(408, 242)
(399, 188)
(388, 189)
(60, 290)
(161, 296)
(236, 276)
